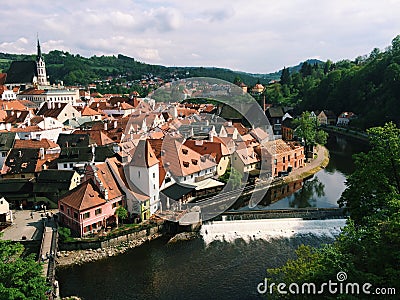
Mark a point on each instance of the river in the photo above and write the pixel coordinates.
(229, 259)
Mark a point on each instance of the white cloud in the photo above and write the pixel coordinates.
(255, 36)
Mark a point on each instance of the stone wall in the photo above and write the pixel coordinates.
(131, 237)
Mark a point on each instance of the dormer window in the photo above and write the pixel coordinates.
(185, 151)
(186, 164)
(194, 161)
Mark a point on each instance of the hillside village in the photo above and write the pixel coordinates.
(87, 154)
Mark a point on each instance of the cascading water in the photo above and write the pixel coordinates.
(268, 229)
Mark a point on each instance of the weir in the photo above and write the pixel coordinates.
(268, 229)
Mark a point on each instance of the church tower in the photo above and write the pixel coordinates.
(41, 67)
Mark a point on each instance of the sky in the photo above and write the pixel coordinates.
(256, 36)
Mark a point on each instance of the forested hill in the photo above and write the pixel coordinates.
(76, 69)
(368, 86)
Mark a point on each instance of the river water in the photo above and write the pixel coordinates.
(229, 259)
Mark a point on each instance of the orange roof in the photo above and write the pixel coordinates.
(181, 160)
(206, 147)
(97, 135)
(26, 129)
(87, 111)
(104, 174)
(12, 105)
(241, 129)
(32, 91)
(35, 144)
(84, 196)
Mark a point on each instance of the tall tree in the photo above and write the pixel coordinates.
(376, 182)
(285, 76)
(307, 130)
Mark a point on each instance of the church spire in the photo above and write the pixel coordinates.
(39, 51)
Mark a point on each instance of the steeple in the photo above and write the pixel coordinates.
(39, 51)
(41, 66)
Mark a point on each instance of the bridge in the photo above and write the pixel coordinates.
(47, 255)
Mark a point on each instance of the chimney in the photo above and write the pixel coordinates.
(48, 105)
(8, 126)
(105, 126)
(106, 194)
(115, 124)
(59, 105)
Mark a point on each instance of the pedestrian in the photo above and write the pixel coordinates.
(41, 206)
(47, 255)
(20, 206)
(31, 215)
(42, 258)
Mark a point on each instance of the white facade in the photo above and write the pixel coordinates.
(8, 95)
(52, 96)
(147, 180)
(5, 211)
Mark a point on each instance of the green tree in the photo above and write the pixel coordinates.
(285, 76)
(20, 277)
(121, 213)
(232, 178)
(368, 249)
(376, 181)
(307, 130)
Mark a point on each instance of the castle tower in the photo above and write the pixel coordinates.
(41, 67)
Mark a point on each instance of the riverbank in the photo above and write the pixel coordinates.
(78, 257)
(318, 163)
(359, 135)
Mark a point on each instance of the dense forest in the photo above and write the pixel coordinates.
(368, 86)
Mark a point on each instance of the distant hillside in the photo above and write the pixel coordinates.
(76, 69)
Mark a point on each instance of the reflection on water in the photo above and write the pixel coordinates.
(324, 189)
(308, 194)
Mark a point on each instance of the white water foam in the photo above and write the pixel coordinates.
(268, 229)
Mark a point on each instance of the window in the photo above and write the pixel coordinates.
(168, 179)
(75, 215)
(3, 154)
(138, 174)
(288, 158)
(154, 175)
(114, 205)
(97, 211)
(71, 165)
(295, 155)
(65, 165)
(62, 207)
(94, 225)
(275, 161)
(283, 159)
(86, 215)
(86, 228)
(68, 211)
(154, 186)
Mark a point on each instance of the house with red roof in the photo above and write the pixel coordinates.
(90, 207)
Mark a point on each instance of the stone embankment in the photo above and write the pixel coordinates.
(78, 257)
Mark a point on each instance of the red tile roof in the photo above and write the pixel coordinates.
(85, 196)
